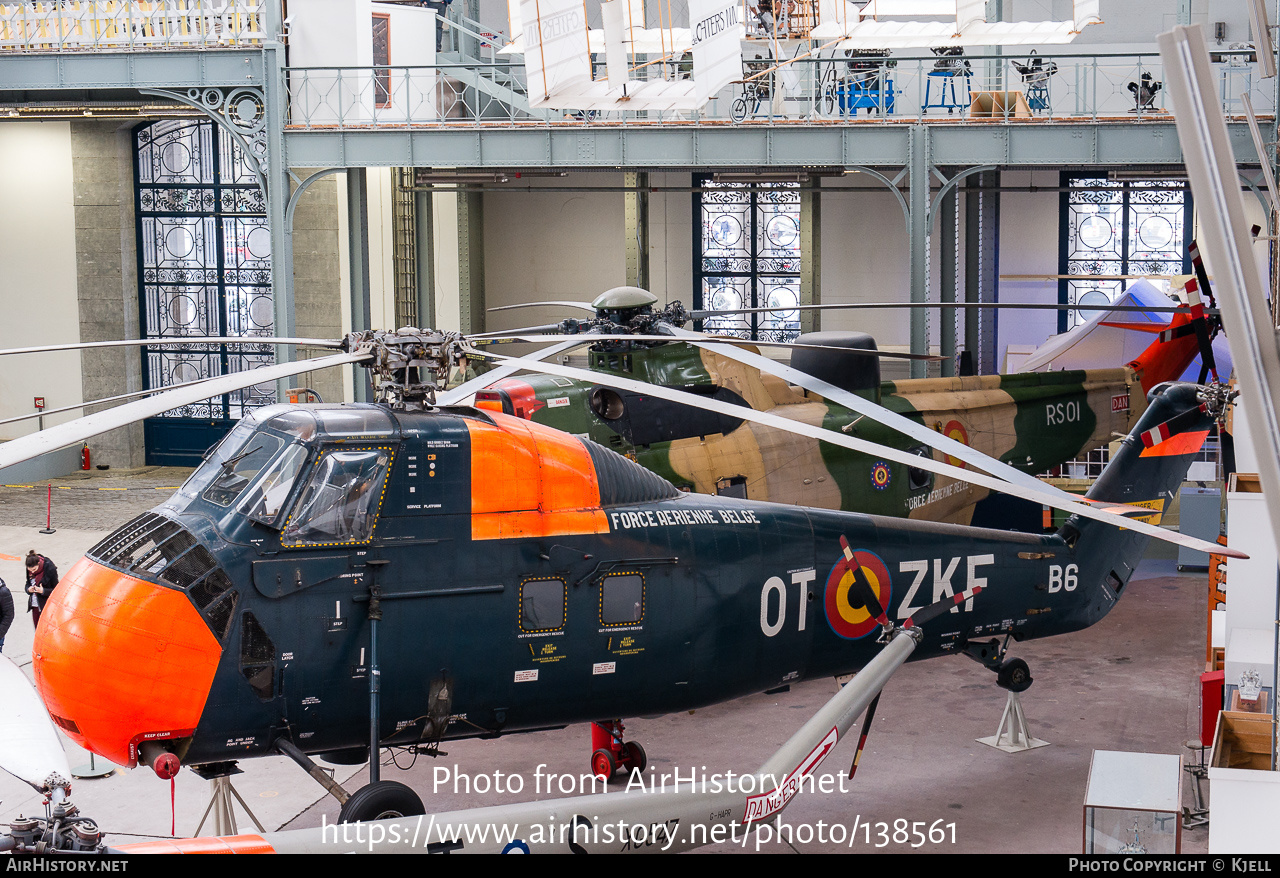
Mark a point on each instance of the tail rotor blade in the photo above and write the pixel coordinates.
(933, 611)
(861, 590)
(866, 729)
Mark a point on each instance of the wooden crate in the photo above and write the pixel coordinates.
(1243, 740)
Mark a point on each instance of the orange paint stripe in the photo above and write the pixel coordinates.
(531, 480)
(235, 844)
(149, 653)
(1183, 443)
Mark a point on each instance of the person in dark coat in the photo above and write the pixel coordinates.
(42, 577)
(6, 611)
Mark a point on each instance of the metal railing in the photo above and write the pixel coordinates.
(1106, 88)
(129, 25)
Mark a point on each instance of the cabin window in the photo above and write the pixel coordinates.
(918, 479)
(622, 599)
(542, 605)
(340, 503)
(237, 472)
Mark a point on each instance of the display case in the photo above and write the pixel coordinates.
(1132, 804)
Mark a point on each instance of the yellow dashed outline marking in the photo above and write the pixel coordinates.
(377, 512)
(564, 604)
(603, 623)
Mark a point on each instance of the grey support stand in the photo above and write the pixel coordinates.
(1013, 736)
(221, 804)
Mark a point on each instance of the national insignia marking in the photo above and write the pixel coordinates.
(881, 475)
(849, 621)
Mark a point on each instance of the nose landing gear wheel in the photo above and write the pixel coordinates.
(383, 800)
(1014, 675)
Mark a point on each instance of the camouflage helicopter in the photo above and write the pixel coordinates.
(339, 578)
(1031, 421)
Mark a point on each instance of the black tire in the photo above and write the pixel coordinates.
(1014, 675)
(381, 801)
(738, 111)
(636, 758)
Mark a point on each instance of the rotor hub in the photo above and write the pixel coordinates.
(407, 364)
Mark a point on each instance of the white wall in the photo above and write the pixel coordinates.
(37, 270)
(1029, 245)
(552, 245)
(671, 239)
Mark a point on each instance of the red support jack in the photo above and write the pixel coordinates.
(609, 752)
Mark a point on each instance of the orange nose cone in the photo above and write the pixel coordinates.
(119, 660)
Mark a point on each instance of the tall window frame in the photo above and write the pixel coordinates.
(204, 263)
(1118, 227)
(747, 254)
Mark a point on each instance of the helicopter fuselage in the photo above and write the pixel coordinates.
(521, 579)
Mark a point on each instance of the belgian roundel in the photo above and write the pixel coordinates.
(880, 475)
(850, 619)
(955, 430)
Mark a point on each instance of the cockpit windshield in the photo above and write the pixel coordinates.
(266, 499)
(238, 471)
(340, 502)
(230, 445)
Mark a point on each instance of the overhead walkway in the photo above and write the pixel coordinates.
(473, 109)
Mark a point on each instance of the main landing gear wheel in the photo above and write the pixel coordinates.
(603, 765)
(383, 800)
(738, 111)
(1014, 675)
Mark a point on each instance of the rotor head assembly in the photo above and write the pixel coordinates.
(407, 364)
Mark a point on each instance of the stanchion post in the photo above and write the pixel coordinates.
(48, 515)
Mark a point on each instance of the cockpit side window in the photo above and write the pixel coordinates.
(238, 471)
(266, 500)
(341, 500)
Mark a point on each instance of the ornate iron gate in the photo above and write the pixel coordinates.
(204, 269)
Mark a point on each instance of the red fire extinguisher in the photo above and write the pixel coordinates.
(84, 457)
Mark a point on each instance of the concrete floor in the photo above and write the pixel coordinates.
(1129, 683)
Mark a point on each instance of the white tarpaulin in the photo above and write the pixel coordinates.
(556, 57)
(1091, 345)
(966, 26)
(718, 30)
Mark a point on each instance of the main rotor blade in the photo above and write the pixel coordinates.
(166, 342)
(103, 401)
(585, 306)
(1026, 306)
(1040, 494)
(895, 421)
(29, 746)
(591, 338)
(462, 391)
(552, 328)
(62, 435)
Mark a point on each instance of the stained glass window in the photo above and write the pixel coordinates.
(204, 259)
(748, 256)
(1114, 228)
